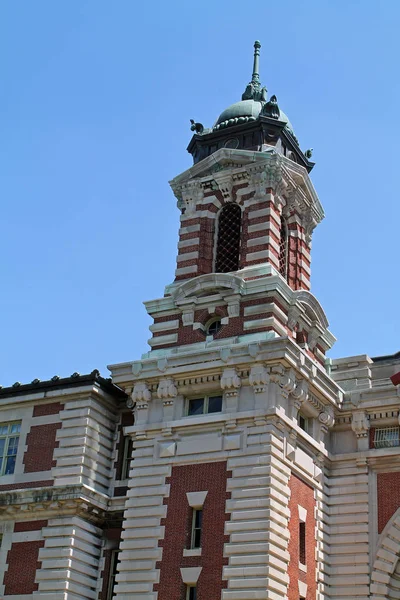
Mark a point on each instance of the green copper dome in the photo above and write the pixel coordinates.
(245, 111)
(253, 104)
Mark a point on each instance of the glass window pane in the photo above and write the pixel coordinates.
(2, 445)
(197, 538)
(197, 518)
(215, 404)
(3, 429)
(15, 427)
(196, 406)
(12, 446)
(10, 465)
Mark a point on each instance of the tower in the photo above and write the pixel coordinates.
(233, 401)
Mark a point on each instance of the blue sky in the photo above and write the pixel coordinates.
(95, 102)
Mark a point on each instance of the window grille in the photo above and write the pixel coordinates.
(228, 241)
(387, 437)
(283, 250)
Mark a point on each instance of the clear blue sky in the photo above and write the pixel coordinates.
(95, 103)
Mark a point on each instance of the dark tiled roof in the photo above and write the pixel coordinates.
(56, 382)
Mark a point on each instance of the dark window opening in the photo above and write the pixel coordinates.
(283, 253)
(191, 593)
(202, 406)
(213, 327)
(302, 543)
(228, 241)
(196, 528)
(127, 456)
(303, 422)
(113, 573)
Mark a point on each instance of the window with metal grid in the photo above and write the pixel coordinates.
(387, 437)
(228, 242)
(283, 250)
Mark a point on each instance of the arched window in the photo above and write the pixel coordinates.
(228, 241)
(283, 250)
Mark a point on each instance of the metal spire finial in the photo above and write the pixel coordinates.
(255, 78)
(253, 90)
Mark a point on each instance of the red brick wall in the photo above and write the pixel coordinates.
(303, 495)
(194, 478)
(41, 441)
(22, 561)
(42, 410)
(388, 485)
(30, 525)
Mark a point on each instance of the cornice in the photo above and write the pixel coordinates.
(45, 502)
(284, 176)
(197, 362)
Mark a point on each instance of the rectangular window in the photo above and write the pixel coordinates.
(196, 528)
(204, 406)
(127, 456)
(302, 543)
(302, 422)
(191, 593)
(9, 438)
(113, 572)
(387, 437)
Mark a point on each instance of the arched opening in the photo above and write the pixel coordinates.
(283, 250)
(228, 240)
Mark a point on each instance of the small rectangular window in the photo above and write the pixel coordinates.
(196, 406)
(387, 437)
(202, 406)
(113, 573)
(191, 593)
(302, 543)
(302, 422)
(127, 456)
(196, 528)
(9, 438)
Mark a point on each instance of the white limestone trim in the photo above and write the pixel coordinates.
(386, 559)
(257, 255)
(187, 256)
(190, 242)
(163, 339)
(28, 536)
(196, 499)
(191, 552)
(302, 513)
(265, 228)
(189, 229)
(164, 325)
(262, 323)
(190, 575)
(6, 529)
(259, 241)
(45, 420)
(302, 589)
(262, 212)
(186, 270)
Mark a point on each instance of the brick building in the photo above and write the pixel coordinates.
(233, 461)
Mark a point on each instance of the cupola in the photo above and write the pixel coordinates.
(256, 122)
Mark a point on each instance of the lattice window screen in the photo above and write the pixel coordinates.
(283, 250)
(228, 243)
